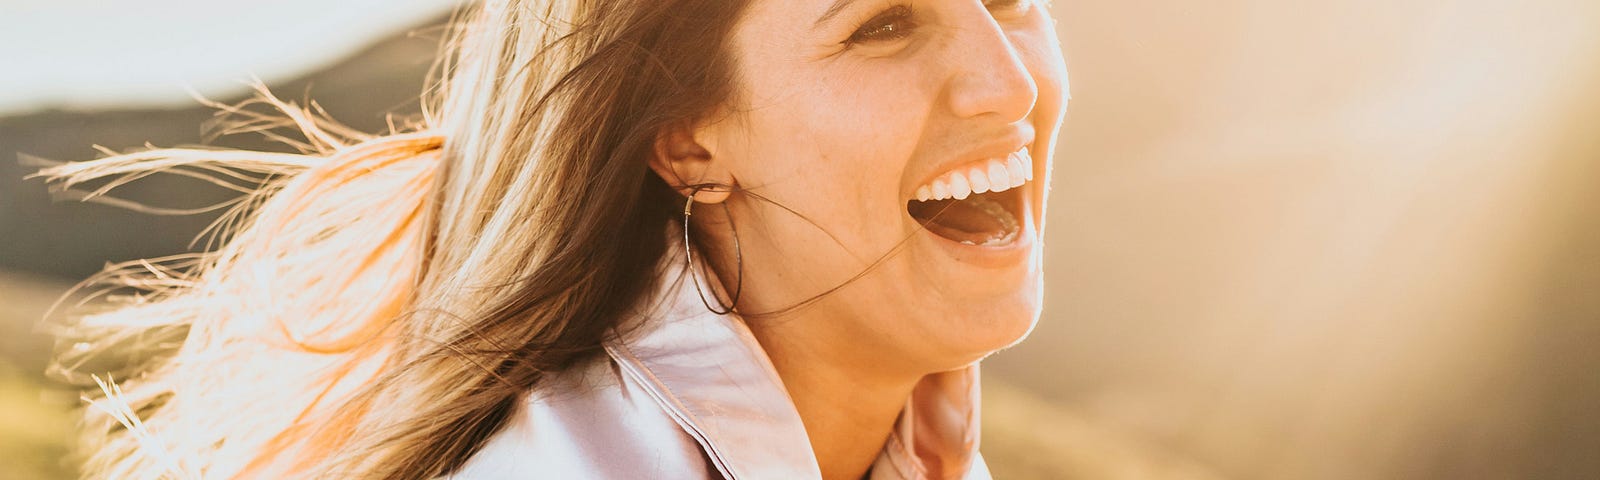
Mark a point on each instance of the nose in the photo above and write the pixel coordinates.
(989, 76)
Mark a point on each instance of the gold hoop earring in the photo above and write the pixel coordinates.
(738, 255)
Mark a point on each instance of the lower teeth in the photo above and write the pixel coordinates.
(1006, 234)
(978, 220)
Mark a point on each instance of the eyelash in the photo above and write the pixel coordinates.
(896, 23)
(892, 24)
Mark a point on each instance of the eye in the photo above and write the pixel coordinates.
(893, 24)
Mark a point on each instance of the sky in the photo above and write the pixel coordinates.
(103, 54)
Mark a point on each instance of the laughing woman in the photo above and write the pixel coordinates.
(629, 239)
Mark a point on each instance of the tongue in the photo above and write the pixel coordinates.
(978, 220)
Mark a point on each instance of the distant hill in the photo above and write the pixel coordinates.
(72, 240)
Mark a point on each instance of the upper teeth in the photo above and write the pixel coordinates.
(992, 175)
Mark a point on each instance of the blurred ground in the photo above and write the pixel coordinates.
(34, 425)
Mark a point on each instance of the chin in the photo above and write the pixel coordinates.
(986, 252)
(984, 328)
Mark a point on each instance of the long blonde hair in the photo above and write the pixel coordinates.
(379, 304)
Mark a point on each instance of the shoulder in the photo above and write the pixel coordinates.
(589, 421)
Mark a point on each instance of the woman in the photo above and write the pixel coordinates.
(631, 239)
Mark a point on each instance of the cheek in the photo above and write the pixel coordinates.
(839, 141)
(874, 114)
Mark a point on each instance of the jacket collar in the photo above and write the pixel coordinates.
(711, 375)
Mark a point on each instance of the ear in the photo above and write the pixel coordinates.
(684, 157)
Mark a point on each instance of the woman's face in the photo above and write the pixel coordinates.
(851, 113)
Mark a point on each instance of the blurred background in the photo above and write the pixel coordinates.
(1289, 239)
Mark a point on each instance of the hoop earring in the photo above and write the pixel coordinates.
(738, 255)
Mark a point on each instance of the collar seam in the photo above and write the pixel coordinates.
(897, 452)
(667, 400)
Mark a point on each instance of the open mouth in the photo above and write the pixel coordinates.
(978, 204)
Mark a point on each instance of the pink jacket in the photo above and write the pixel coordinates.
(687, 394)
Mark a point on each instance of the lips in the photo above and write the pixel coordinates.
(975, 204)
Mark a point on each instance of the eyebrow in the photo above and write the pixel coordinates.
(838, 6)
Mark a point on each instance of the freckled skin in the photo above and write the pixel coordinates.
(845, 133)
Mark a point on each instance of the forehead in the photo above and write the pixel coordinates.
(778, 31)
(813, 8)
(798, 14)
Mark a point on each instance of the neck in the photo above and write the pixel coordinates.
(848, 408)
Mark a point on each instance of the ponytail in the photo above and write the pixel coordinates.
(281, 325)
